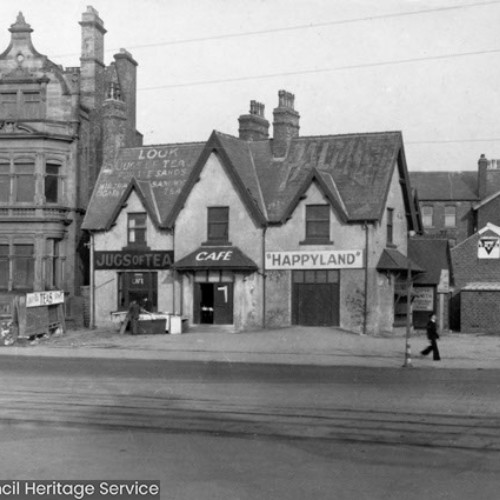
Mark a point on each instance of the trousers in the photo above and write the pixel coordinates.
(434, 348)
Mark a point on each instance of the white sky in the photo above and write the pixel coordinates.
(447, 108)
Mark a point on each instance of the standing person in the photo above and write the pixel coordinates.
(134, 311)
(432, 335)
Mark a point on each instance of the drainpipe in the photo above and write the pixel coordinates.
(174, 272)
(92, 283)
(264, 277)
(365, 318)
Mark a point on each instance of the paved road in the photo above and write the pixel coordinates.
(445, 408)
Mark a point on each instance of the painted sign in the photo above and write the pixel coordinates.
(38, 299)
(488, 248)
(153, 259)
(335, 259)
(423, 298)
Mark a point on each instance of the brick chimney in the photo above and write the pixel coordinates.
(126, 67)
(254, 126)
(285, 123)
(482, 181)
(92, 59)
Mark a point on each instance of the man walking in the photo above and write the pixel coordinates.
(432, 335)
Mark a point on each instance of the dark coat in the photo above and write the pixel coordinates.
(432, 333)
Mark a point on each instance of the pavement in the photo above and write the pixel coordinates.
(323, 346)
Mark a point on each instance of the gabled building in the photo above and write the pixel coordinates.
(253, 231)
(57, 127)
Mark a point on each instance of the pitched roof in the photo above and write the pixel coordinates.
(393, 260)
(165, 168)
(353, 171)
(445, 186)
(431, 254)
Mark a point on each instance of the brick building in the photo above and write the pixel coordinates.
(476, 263)
(57, 127)
(253, 231)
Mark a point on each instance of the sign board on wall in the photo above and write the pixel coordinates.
(423, 298)
(488, 248)
(133, 260)
(335, 259)
(38, 299)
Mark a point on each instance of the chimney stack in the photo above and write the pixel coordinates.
(254, 126)
(114, 124)
(126, 67)
(285, 123)
(92, 59)
(482, 180)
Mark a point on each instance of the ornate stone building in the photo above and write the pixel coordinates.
(57, 127)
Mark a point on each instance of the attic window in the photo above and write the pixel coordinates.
(136, 229)
(317, 224)
(218, 224)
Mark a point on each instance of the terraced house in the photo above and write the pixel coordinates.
(56, 126)
(254, 231)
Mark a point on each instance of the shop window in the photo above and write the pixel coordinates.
(4, 181)
(390, 226)
(136, 229)
(24, 178)
(141, 286)
(52, 172)
(4, 267)
(428, 216)
(450, 216)
(317, 224)
(23, 267)
(218, 224)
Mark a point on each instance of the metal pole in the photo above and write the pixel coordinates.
(92, 283)
(407, 362)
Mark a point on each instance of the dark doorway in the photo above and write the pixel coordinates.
(213, 303)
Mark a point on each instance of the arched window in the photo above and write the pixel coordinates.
(52, 181)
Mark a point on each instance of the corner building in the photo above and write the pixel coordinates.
(57, 127)
(263, 232)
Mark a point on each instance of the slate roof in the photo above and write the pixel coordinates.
(354, 171)
(431, 254)
(445, 186)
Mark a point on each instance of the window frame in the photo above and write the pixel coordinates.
(390, 226)
(17, 260)
(447, 215)
(430, 215)
(315, 220)
(22, 106)
(137, 229)
(18, 186)
(218, 224)
(54, 177)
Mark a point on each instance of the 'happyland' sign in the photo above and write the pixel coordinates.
(338, 259)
